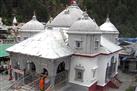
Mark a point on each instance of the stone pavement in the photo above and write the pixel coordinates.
(127, 80)
(4, 82)
(70, 87)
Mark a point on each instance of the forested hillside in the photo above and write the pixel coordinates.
(123, 13)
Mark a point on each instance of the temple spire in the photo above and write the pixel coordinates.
(34, 16)
(107, 20)
(50, 19)
(1, 23)
(14, 20)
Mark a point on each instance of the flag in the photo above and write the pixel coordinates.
(72, 1)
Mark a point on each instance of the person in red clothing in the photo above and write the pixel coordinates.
(41, 84)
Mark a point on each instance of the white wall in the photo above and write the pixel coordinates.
(40, 63)
(88, 42)
(111, 37)
(88, 64)
(102, 65)
(103, 60)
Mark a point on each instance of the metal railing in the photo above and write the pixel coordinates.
(33, 85)
(19, 83)
(5, 83)
(7, 41)
(62, 76)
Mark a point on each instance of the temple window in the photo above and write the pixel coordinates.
(79, 72)
(96, 44)
(78, 44)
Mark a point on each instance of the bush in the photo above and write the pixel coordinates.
(130, 88)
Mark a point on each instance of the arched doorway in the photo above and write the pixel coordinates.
(17, 75)
(30, 72)
(61, 67)
(45, 72)
(110, 70)
(113, 66)
(31, 67)
(107, 78)
(61, 73)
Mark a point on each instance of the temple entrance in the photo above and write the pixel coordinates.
(113, 66)
(17, 71)
(61, 67)
(61, 74)
(107, 78)
(30, 73)
(30, 67)
(110, 70)
(45, 72)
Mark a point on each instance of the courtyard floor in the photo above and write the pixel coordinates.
(127, 80)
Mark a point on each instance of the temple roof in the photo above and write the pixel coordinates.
(85, 24)
(48, 44)
(108, 26)
(108, 47)
(67, 17)
(33, 25)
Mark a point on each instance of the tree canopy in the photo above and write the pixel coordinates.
(123, 13)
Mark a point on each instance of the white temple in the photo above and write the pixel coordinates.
(109, 31)
(29, 29)
(72, 48)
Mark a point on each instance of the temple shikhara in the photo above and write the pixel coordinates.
(72, 51)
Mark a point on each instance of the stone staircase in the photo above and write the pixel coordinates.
(115, 83)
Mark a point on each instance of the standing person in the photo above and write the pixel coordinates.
(41, 84)
(46, 82)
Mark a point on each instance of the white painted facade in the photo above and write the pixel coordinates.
(103, 60)
(88, 65)
(87, 45)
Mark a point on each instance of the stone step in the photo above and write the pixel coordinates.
(116, 83)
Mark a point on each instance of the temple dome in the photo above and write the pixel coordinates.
(85, 24)
(67, 17)
(33, 25)
(108, 26)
